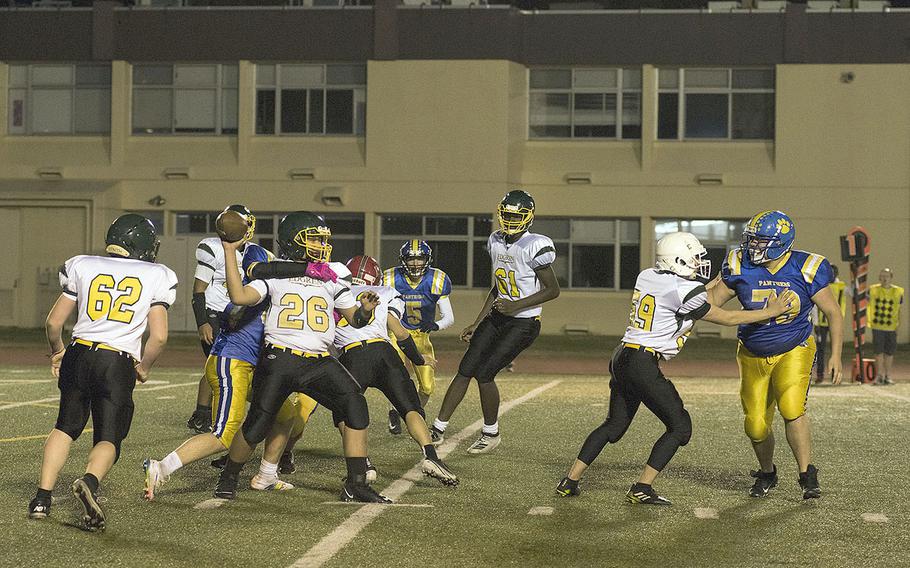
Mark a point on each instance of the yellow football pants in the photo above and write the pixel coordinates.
(781, 381)
(298, 407)
(426, 377)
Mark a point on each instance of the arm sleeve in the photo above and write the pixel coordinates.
(543, 253)
(68, 278)
(166, 293)
(260, 286)
(206, 262)
(694, 304)
(265, 270)
(446, 315)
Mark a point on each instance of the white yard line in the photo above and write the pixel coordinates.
(881, 391)
(210, 503)
(328, 547)
(56, 398)
(705, 513)
(543, 511)
(874, 517)
(415, 505)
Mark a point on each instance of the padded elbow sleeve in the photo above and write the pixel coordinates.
(199, 309)
(409, 348)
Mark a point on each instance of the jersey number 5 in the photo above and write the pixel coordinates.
(101, 302)
(505, 282)
(293, 306)
(642, 314)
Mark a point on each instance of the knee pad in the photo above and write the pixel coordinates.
(256, 426)
(757, 429)
(683, 432)
(356, 413)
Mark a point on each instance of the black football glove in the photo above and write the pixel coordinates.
(428, 327)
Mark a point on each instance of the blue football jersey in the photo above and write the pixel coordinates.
(242, 327)
(804, 273)
(420, 299)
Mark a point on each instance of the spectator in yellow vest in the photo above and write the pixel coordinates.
(885, 300)
(838, 288)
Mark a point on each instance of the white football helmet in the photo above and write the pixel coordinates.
(682, 254)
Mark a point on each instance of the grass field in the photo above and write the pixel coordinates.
(861, 436)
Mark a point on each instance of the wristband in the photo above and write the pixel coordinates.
(409, 348)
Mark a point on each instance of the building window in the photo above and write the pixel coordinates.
(59, 99)
(347, 230)
(185, 99)
(311, 99)
(735, 104)
(718, 236)
(584, 103)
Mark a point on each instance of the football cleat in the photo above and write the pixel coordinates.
(200, 422)
(372, 473)
(92, 516)
(764, 482)
(809, 482)
(358, 491)
(263, 483)
(394, 423)
(220, 462)
(436, 437)
(227, 485)
(642, 494)
(567, 488)
(153, 478)
(39, 508)
(436, 469)
(286, 464)
(486, 443)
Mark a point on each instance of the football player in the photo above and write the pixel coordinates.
(667, 301)
(367, 354)
(422, 288)
(229, 372)
(509, 321)
(299, 329)
(775, 358)
(209, 300)
(116, 298)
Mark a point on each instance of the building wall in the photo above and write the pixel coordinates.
(451, 137)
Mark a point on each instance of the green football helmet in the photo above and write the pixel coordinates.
(248, 216)
(303, 235)
(132, 236)
(516, 212)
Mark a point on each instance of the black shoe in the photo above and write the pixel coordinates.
(643, 494)
(567, 488)
(358, 490)
(39, 508)
(394, 423)
(220, 462)
(286, 464)
(200, 422)
(92, 516)
(227, 485)
(809, 482)
(764, 482)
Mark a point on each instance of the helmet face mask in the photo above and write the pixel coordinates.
(133, 236)
(515, 212)
(684, 255)
(304, 236)
(248, 216)
(768, 236)
(415, 258)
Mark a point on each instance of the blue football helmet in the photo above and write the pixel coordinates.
(415, 258)
(768, 236)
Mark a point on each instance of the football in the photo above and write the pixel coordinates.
(231, 226)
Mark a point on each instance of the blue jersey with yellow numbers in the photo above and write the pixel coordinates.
(419, 299)
(803, 272)
(242, 327)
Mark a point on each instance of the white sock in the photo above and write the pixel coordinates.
(267, 469)
(170, 464)
(491, 429)
(440, 425)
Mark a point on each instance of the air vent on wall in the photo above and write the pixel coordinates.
(709, 179)
(50, 173)
(578, 177)
(302, 174)
(176, 173)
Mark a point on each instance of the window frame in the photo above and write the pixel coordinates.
(617, 243)
(572, 90)
(219, 87)
(359, 95)
(73, 87)
(681, 91)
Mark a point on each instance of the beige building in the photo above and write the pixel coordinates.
(615, 153)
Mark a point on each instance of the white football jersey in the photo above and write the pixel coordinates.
(389, 302)
(300, 309)
(210, 269)
(514, 265)
(665, 307)
(113, 298)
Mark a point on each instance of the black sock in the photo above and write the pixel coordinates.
(356, 467)
(639, 485)
(430, 451)
(43, 494)
(203, 409)
(91, 481)
(232, 467)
